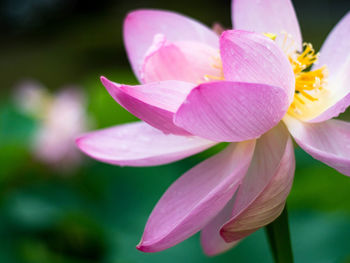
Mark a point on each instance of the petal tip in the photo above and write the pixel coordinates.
(103, 79)
(79, 142)
(146, 248)
(106, 82)
(110, 85)
(130, 15)
(140, 247)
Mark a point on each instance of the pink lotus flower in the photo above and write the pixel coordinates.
(61, 117)
(199, 89)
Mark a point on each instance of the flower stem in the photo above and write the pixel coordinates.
(279, 238)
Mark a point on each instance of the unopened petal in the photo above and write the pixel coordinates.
(154, 103)
(141, 26)
(262, 195)
(268, 16)
(231, 111)
(328, 142)
(196, 197)
(252, 57)
(138, 144)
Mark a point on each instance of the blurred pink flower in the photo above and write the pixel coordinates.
(61, 118)
(199, 89)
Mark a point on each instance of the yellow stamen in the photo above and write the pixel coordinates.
(217, 65)
(298, 99)
(309, 85)
(288, 43)
(211, 77)
(270, 35)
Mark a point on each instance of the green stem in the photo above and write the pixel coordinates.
(279, 238)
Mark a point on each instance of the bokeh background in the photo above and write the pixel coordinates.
(94, 212)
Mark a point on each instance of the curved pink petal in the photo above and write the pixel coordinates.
(251, 57)
(335, 50)
(268, 16)
(328, 142)
(154, 103)
(262, 195)
(196, 197)
(335, 55)
(138, 144)
(211, 241)
(141, 26)
(231, 111)
(338, 107)
(184, 60)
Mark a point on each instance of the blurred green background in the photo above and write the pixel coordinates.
(96, 213)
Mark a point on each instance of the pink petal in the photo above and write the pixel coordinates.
(328, 141)
(212, 242)
(138, 144)
(335, 55)
(155, 103)
(262, 195)
(141, 26)
(184, 60)
(196, 197)
(231, 111)
(268, 16)
(251, 57)
(336, 106)
(335, 49)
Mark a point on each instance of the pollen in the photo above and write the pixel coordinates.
(309, 84)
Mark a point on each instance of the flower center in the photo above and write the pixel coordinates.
(309, 85)
(310, 93)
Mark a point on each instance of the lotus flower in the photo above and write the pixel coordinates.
(61, 117)
(199, 89)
